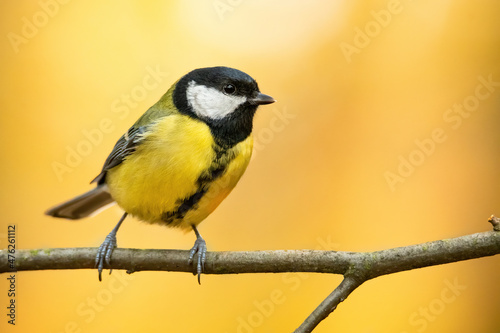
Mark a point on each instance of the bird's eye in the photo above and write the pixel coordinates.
(229, 89)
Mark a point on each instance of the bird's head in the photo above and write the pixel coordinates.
(224, 98)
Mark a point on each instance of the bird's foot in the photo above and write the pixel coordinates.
(200, 247)
(104, 253)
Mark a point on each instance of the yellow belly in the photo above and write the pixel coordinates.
(165, 169)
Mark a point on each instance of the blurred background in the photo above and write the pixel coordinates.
(385, 134)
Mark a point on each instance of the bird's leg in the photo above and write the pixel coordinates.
(199, 247)
(106, 249)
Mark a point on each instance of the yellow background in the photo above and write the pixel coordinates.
(318, 178)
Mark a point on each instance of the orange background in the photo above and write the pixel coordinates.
(343, 120)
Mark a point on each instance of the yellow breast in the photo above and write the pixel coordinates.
(175, 176)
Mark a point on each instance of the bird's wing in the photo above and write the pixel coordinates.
(129, 142)
(125, 146)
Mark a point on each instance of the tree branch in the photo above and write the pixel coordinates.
(357, 267)
(339, 294)
(336, 262)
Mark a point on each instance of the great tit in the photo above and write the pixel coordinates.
(180, 159)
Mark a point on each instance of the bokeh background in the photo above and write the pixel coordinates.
(343, 161)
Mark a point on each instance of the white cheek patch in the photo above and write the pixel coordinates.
(211, 103)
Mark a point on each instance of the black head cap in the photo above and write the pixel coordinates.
(224, 98)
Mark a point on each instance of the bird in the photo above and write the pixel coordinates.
(179, 160)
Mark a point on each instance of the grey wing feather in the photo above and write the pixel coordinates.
(125, 146)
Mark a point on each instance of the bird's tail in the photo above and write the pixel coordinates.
(83, 205)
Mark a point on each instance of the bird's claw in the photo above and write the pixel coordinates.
(104, 253)
(200, 247)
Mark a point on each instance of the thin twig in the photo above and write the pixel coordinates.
(408, 257)
(357, 267)
(339, 294)
(279, 261)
